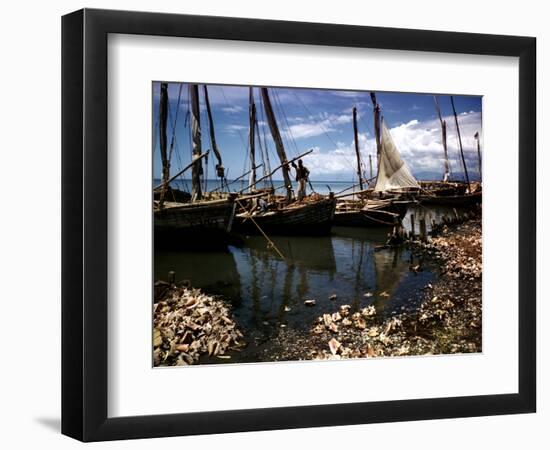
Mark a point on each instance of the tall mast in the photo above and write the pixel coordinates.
(357, 148)
(476, 136)
(219, 166)
(278, 142)
(196, 193)
(376, 113)
(163, 119)
(460, 144)
(252, 137)
(443, 140)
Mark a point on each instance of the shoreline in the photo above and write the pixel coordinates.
(447, 321)
(196, 328)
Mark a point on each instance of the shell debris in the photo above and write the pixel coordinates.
(189, 324)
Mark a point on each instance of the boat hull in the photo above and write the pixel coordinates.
(197, 224)
(373, 213)
(310, 218)
(453, 200)
(208, 215)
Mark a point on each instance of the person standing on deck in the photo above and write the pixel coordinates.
(302, 175)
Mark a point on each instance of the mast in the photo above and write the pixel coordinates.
(219, 166)
(443, 140)
(357, 147)
(460, 144)
(163, 119)
(476, 137)
(376, 112)
(252, 137)
(196, 193)
(278, 142)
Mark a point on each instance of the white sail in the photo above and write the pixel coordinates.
(393, 173)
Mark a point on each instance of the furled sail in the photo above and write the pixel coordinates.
(275, 133)
(393, 173)
(196, 193)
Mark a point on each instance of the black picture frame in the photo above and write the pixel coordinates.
(84, 224)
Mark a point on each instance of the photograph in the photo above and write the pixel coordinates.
(295, 224)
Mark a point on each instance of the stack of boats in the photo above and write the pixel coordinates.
(200, 216)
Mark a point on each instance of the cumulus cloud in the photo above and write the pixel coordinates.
(418, 142)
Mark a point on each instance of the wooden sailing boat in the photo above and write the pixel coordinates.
(283, 215)
(200, 216)
(370, 211)
(447, 193)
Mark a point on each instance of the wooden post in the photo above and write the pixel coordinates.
(456, 214)
(476, 137)
(423, 229)
(412, 225)
(172, 277)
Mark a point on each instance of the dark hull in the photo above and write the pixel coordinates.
(190, 225)
(313, 218)
(441, 188)
(453, 200)
(373, 213)
(207, 215)
(173, 195)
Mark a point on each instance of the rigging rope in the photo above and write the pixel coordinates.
(175, 140)
(245, 145)
(285, 119)
(323, 130)
(267, 149)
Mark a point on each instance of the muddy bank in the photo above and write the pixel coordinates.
(447, 321)
(189, 325)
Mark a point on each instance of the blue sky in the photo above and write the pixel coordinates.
(322, 120)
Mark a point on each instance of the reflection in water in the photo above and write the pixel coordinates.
(267, 292)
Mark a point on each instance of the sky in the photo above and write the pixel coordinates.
(322, 120)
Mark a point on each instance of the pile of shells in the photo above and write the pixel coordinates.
(361, 339)
(436, 328)
(459, 249)
(189, 324)
(343, 318)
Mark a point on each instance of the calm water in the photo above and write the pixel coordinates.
(262, 287)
